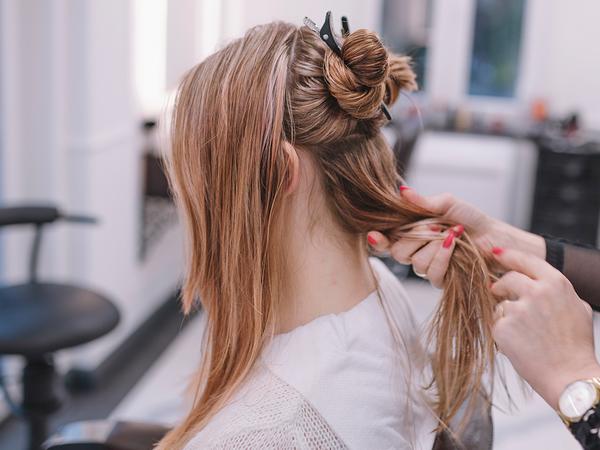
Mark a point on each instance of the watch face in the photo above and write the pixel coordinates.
(576, 399)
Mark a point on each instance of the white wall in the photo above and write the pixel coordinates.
(75, 141)
(33, 93)
(572, 75)
(183, 40)
(561, 62)
(360, 14)
(104, 149)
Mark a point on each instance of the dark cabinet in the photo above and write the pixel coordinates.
(567, 192)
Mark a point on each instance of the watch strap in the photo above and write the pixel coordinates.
(587, 430)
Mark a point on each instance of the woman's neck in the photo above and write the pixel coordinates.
(326, 276)
(328, 270)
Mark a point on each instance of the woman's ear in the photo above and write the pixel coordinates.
(293, 172)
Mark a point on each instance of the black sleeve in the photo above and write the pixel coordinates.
(580, 264)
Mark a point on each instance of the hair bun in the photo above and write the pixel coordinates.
(401, 77)
(357, 79)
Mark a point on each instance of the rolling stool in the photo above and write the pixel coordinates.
(38, 319)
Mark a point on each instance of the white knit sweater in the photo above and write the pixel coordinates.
(340, 381)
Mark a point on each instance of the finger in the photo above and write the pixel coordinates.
(502, 309)
(512, 308)
(512, 285)
(421, 259)
(505, 314)
(438, 204)
(403, 249)
(378, 241)
(527, 264)
(588, 308)
(498, 312)
(441, 261)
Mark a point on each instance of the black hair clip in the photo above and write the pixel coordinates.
(326, 32)
(345, 27)
(328, 36)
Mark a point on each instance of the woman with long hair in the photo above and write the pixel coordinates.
(280, 170)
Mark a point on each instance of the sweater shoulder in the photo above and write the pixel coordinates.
(266, 413)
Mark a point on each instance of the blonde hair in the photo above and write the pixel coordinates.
(234, 112)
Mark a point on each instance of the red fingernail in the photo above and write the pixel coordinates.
(459, 230)
(448, 241)
(497, 251)
(371, 239)
(435, 227)
(404, 188)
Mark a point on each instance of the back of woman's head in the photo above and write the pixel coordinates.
(229, 169)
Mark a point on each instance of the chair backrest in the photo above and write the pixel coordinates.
(28, 215)
(38, 216)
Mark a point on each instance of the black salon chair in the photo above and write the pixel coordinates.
(38, 319)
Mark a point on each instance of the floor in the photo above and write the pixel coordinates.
(530, 425)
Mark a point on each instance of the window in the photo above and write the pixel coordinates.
(496, 47)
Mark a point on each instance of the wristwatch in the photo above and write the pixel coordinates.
(578, 407)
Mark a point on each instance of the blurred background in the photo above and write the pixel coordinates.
(507, 117)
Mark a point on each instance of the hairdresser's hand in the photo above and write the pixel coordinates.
(431, 258)
(543, 327)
